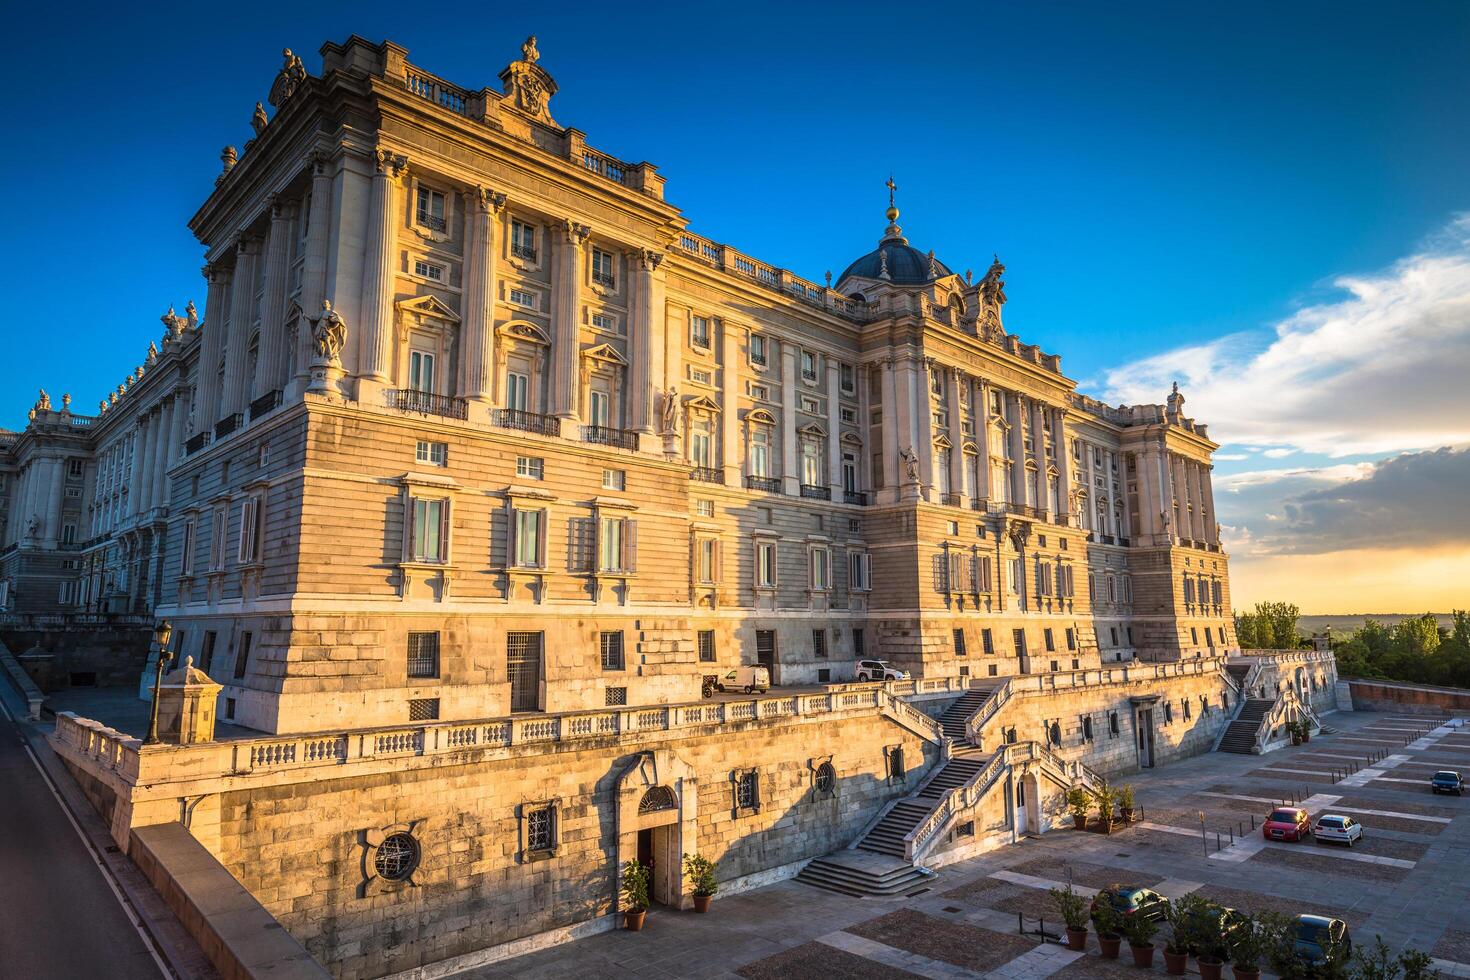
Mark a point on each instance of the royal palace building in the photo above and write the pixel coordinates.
(480, 448)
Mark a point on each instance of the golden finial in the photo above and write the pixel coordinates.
(892, 210)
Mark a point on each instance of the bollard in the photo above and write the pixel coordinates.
(1253, 823)
(1217, 840)
(1231, 832)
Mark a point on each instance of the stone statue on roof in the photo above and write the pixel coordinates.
(288, 79)
(528, 86)
(258, 119)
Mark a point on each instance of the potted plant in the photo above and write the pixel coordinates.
(1305, 727)
(635, 895)
(1296, 735)
(701, 874)
(1247, 945)
(1107, 799)
(1140, 931)
(1107, 922)
(1078, 802)
(1182, 914)
(1074, 913)
(1207, 939)
(1125, 802)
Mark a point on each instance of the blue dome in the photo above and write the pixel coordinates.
(906, 265)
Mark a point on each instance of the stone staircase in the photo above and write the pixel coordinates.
(886, 836)
(1238, 672)
(864, 874)
(1240, 735)
(958, 714)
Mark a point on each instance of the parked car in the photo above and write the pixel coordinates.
(1331, 826)
(1287, 823)
(747, 679)
(1216, 920)
(1129, 900)
(879, 670)
(1447, 781)
(1316, 934)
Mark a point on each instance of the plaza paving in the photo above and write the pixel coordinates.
(1408, 880)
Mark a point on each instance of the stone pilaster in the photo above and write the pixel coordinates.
(1039, 457)
(1207, 481)
(212, 348)
(1064, 464)
(790, 473)
(164, 456)
(477, 352)
(270, 368)
(1110, 459)
(379, 264)
(980, 411)
(953, 379)
(1017, 448)
(313, 266)
(242, 319)
(834, 428)
(923, 423)
(731, 447)
(890, 448)
(53, 502)
(646, 339)
(566, 318)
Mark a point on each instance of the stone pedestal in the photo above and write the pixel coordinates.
(186, 703)
(41, 666)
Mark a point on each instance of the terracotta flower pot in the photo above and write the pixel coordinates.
(1076, 938)
(1176, 963)
(1079, 822)
(1306, 736)
(1247, 974)
(1142, 955)
(701, 903)
(1296, 740)
(1127, 814)
(1110, 946)
(1210, 969)
(633, 921)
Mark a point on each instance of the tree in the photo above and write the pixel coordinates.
(1281, 617)
(1418, 636)
(1248, 632)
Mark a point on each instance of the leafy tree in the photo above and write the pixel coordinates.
(1281, 618)
(1417, 650)
(1418, 636)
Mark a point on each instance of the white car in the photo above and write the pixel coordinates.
(746, 678)
(1331, 826)
(879, 670)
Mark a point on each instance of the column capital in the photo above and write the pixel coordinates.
(319, 160)
(390, 163)
(282, 208)
(577, 233)
(247, 244)
(487, 201)
(649, 259)
(216, 274)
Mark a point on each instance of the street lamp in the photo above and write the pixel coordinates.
(161, 635)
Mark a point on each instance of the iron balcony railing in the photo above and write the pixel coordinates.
(816, 493)
(707, 474)
(196, 442)
(265, 404)
(427, 403)
(1108, 539)
(605, 436)
(604, 279)
(855, 497)
(430, 220)
(523, 421)
(769, 484)
(523, 251)
(951, 500)
(228, 424)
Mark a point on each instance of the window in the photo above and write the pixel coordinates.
(1184, 703)
(760, 451)
(186, 551)
(819, 643)
(808, 366)
(614, 480)
(423, 709)
(617, 544)
(610, 643)
(759, 350)
(747, 791)
(849, 379)
(603, 268)
(825, 779)
(397, 857)
(818, 560)
(599, 409)
(206, 651)
(541, 829)
(242, 659)
(959, 643)
(428, 270)
(251, 528)
(420, 371)
(701, 445)
(848, 415)
(74, 469)
(811, 463)
(423, 654)
(706, 646)
(765, 564)
(1087, 729)
(430, 211)
(810, 405)
(68, 534)
(859, 644)
(523, 240)
(1194, 636)
(859, 571)
(517, 389)
(528, 538)
(1018, 639)
(699, 334)
(760, 393)
(531, 467)
(896, 770)
(1168, 713)
(707, 561)
(433, 453)
(523, 298)
(429, 529)
(1113, 724)
(614, 697)
(704, 508)
(605, 321)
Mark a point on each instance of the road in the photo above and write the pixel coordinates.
(61, 917)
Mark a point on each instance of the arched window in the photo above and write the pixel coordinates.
(825, 779)
(657, 798)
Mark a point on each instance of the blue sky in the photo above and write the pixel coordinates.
(1155, 176)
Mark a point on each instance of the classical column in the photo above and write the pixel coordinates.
(890, 448)
(139, 467)
(1039, 457)
(313, 265)
(1015, 410)
(953, 378)
(834, 428)
(378, 266)
(731, 447)
(1207, 481)
(921, 423)
(163, 458)
(865, 433)
(566, 318)
(477, 352)
(1184, 520)
(790, 475)
(242, 318)
(1110, 459)
(646, 339)
(270, 367)
(31, 507)
(980, 410)
(1064, 464)
(212, 347)
(53, 502)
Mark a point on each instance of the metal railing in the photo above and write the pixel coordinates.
(522, 421)
(523, 251)
(604, 279)
(770, 484)
(855, 497)
(196, 442)
(430, 220)
(228, 424)
(265, 404)
(816, 493)
(605, 436)
(411, 400)
(707, 474)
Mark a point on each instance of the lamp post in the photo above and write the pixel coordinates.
(161, 635)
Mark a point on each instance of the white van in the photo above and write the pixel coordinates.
(747, 679)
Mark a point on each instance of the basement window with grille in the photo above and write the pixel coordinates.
(423, 709)
(615, 697)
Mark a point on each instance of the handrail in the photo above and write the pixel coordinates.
(999, 695)
(917, 722)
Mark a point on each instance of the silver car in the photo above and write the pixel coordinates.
(879, 670)
(1334, 827)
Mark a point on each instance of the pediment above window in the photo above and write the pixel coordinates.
(424, 308)
(813, 429)
(525, 331)
(702, 403)
(606, 353)
(759, 416)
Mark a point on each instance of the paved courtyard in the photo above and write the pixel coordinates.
(1408, 880)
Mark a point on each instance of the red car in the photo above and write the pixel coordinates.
(1287, 823)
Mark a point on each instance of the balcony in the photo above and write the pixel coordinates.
(982, 504)
(855, 497)
(265, 404)
(950, 499)
(604, 279)
(604, 436)
(1108, 539)
(1123, 542)
(770, 484)
(1010, 507)
(816, 493)
(521, 421)
(426, 403)
(527, 252)
(196, 442)
(430, 220)
(228, 424)
(707, 474)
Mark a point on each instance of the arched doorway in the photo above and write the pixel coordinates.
(658, 843)
(656, 800)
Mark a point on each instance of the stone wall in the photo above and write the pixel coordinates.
(84, 655)
(1369, 695)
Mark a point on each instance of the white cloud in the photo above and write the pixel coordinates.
(1278, 453)
(1381, 369)
(1230, 457)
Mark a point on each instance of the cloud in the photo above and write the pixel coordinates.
(1414, 500)
(1379, 369)
(1278, 453)
(1231, 457)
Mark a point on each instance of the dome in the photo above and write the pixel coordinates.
(895, 260)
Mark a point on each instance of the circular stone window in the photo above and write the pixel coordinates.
(397, 857)
(826, 778)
